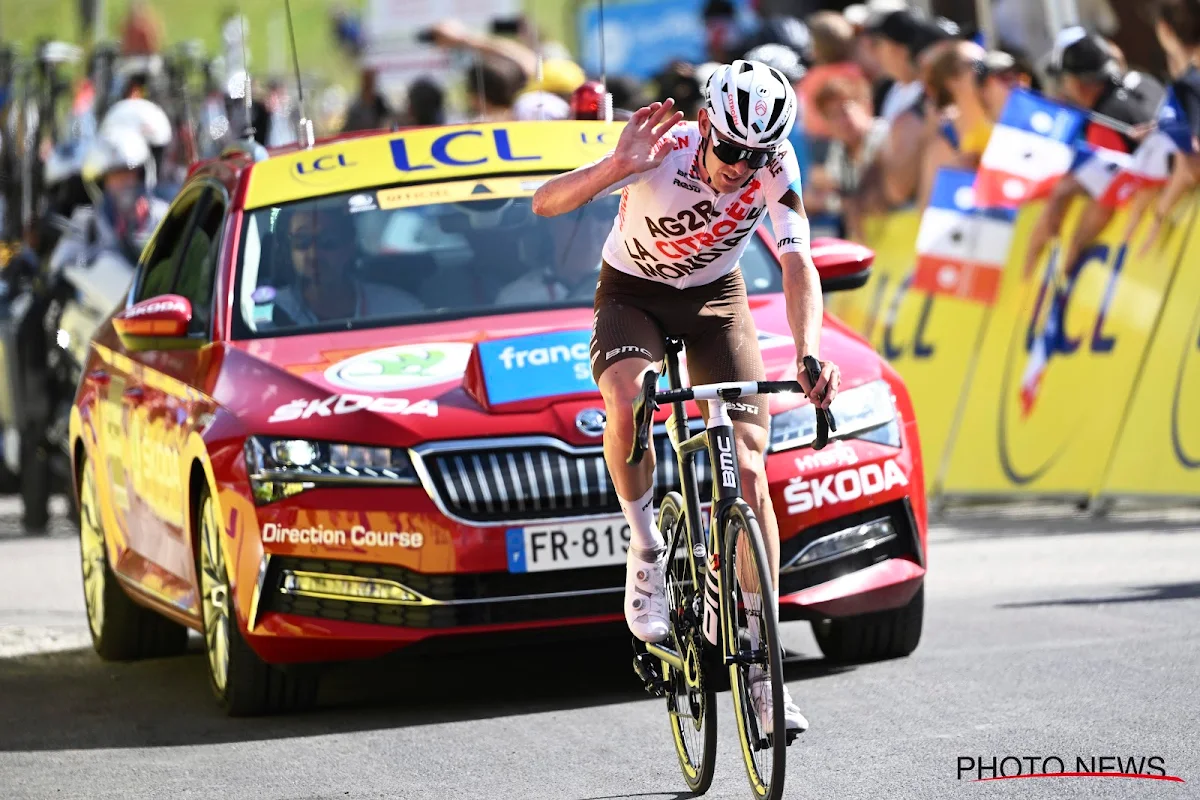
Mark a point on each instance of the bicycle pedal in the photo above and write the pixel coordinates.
(644, 666)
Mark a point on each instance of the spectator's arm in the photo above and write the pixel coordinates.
(452, 33)
(1050, 220)
(939, 154)
(901, 159)
(1092, 221)
(1184, 176)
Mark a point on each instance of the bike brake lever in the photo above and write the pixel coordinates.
(644, 407)
(825, 422)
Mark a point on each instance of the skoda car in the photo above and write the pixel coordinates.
(347, 407)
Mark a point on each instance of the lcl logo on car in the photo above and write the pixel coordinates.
(316, 170)
(591, 421)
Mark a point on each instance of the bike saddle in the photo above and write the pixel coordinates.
(673, 344)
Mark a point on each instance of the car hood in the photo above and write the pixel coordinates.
(505, 374)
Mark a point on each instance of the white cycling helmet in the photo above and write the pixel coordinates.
(751, 104)
(144, 116)
(115, 149)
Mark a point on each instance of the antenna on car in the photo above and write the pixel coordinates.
(607, 100)
(306, 126)
(247, 132)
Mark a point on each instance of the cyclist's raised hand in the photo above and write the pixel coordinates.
(635, 150)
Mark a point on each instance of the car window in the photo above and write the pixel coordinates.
(158, 265)
(351, 259)
(198, 267)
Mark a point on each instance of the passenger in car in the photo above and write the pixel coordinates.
(570, 264)
(323, 247)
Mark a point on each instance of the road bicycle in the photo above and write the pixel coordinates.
(719, 591)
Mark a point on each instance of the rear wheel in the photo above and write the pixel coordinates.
(243, 683)
(873, 637)
(691, 700)
(121, 629)
(751, 634)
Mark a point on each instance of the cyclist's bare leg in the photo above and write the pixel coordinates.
(620, 384)
(751, 443)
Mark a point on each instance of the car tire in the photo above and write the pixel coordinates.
(121, 629)
(243, 684)
(873, 637)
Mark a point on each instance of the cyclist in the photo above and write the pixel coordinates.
(691, 196)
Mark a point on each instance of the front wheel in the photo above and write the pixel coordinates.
(751, 632)
(691, 699)
(243, 683)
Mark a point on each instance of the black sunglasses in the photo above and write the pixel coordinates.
(732, 153)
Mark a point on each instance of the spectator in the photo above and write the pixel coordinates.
(833, 58)
(721, 33)
(1177, 26)
(680, 80)
(426, 103)
(1091, 78)
(627, 93)
(492, 86)
(905, 37)
(787, 61)
(141, 34)
(1021, 24)
(369, 110)
(1004, 74)
(956, 80)
(841, 184)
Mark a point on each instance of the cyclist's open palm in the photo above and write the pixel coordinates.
(636, 147)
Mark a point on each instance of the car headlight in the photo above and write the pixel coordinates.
(280, 468)
(864, 412)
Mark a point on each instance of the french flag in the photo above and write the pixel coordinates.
(1030, 149)
(1151, 162)
(1100, 172)
(962, 248)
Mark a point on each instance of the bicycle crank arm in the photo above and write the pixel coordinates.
(667, 655)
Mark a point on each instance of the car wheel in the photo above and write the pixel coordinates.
(121, 629)
(243, 683)
(873, 637)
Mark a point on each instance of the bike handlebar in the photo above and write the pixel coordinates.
(648, 400)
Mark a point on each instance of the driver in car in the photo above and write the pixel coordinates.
(322, 243)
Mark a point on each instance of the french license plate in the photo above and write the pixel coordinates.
(568, 545)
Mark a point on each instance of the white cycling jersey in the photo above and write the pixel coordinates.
(673, 228)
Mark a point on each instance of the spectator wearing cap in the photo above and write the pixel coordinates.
(1177, 26)
(955, 82)
(1003, 75)
(904, 38)
(1091, 78)
(848, 182)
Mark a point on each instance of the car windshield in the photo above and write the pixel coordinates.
(423, 253)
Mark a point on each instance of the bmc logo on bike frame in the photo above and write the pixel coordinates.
(725, 461)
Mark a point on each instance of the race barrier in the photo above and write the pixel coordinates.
(1082, 388)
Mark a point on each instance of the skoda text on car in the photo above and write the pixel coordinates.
(348, 407)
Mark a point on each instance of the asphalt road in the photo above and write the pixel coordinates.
(1045, 635)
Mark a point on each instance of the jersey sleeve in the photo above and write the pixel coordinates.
(784, 202)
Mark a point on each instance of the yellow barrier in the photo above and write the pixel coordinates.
(995, 424)
(1053, 434)
(1158, 452)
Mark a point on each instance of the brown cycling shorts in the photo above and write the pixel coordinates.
(634, 315)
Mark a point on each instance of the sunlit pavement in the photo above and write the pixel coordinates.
(1046, 634)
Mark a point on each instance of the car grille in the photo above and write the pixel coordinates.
(500, 481)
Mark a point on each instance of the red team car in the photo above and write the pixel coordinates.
(348, 406)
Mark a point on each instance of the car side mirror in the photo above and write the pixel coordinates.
(157, 323)
(841, 264)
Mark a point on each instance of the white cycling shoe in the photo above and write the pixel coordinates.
(646, 597)
(760, 694)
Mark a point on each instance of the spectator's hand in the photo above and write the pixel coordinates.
(636, 149)
(1140, 132)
